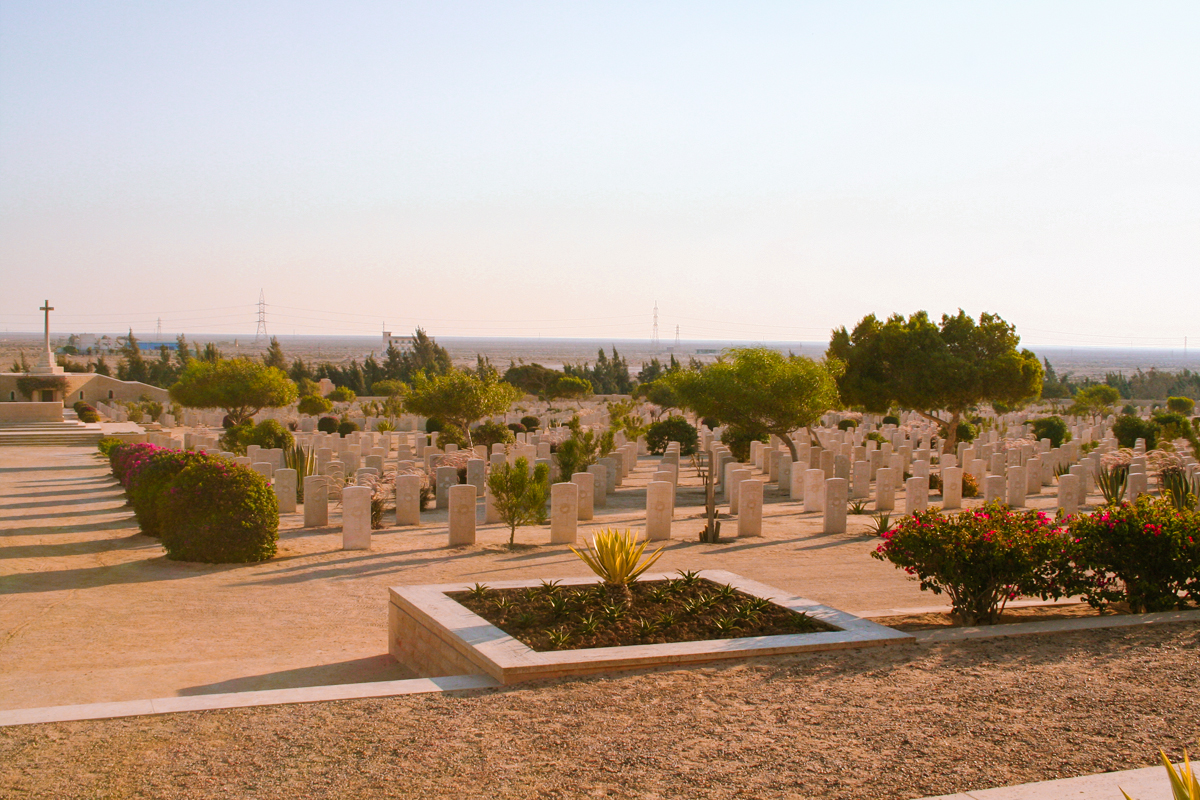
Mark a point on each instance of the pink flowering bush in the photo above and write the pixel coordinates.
(218, 512)
(148, 486)
(982, 558)
(1144, 553)
(127, 460)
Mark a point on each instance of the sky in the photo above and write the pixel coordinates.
(761, 171)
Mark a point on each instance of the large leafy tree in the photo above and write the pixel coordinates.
(938, 371)
(459, 398)
(758, 390)
(239, 386)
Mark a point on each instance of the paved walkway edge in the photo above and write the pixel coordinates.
(268, 697)
(1148, 783)
(1055, 626)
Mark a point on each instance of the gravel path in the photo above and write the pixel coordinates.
(877, 724)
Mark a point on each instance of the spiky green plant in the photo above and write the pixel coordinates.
(304, 461)
(559, 638)
(616, 556)
(857, 507)
(1178, 485)
(688, 577)
(478, 591)
(881, 523)
(1184, 783)
(1112, 480)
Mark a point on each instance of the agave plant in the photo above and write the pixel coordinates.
(1112, 479)
(1178, 485)
(1184, 784)
(857, 507)
(304, 461)
(881, 523)
(617, 558)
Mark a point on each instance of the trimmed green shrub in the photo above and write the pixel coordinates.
(1052, 428)
(219, 513)
(270, 434)
(847, 424)
(966, 432)
(876, 436)
(981, 558)
(327, 424)
(672, 429)
(146, 490)
(1181, 405)
(87, 414)
(78, 405)
(891, 419)
(1128, 429)
(107, 444)
(313, 405)
(1129, 408)
(970, 486)
(712, 423)
(738, 441)
(531, 422)
(434, 425)
(517, 427)
(346, 427)
(342, 394)
(490, 433)
(1142, 553)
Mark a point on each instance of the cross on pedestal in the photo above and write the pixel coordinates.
(46, 364)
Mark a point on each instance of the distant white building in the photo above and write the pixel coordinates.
(401, 342)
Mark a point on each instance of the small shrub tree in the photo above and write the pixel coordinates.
(1128, 429)
(1052, 428)
(520, 496)
(490, 433)
(327, 424)
(147, 489)
(314, 405)
(672, 429)
(460, 398)
(342, 394)
(1181, 405)
(738, 440)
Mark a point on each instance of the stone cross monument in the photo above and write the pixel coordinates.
(46, 364)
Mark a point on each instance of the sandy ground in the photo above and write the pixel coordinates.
(873, 724)
(92, 611)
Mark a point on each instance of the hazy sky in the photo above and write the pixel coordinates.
(762, 170)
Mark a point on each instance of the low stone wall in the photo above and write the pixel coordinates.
(31, 412)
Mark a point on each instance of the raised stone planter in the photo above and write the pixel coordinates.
(435, 636)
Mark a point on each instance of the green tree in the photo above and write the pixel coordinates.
(759, 390)
(948, 368)
(519, 494)
(274, 356)
(132, 367)
(1095, 401)
(547, 384)
(459, 398)
(239, 386)
(183, 353)
(581, 449)
(314, 405)
(1181, 405)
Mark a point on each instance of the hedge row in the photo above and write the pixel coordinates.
(202, 507)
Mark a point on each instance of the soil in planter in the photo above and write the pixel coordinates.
(686, 609)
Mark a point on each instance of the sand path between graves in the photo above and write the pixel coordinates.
(92, 611)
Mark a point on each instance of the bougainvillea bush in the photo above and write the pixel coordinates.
(147, 488)
(1144, 553)
(127, 459)
(981, 558)
(219, 512)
